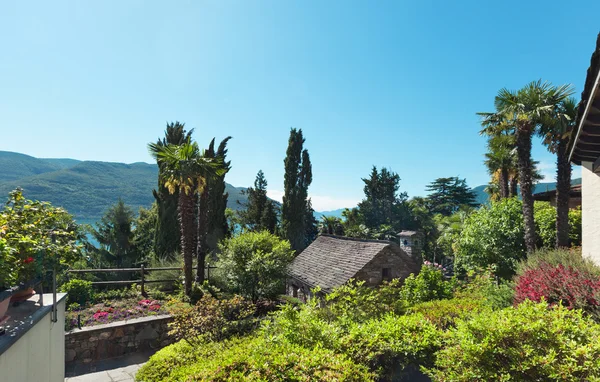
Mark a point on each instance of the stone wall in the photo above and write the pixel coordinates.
(99, 342)
(372, 273)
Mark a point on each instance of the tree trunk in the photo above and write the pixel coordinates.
(186, 225)
(512, 191)
(523, 138)
(563, 188)
(504, 184)
(202, 231)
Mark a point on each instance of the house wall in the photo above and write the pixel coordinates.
(388, 258)
(590, 225)
(39, 355)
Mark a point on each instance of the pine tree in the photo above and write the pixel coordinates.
(115, 235)
(383, 203)
(167, 241)
(257, 203)
(298, 176)
(447, 195)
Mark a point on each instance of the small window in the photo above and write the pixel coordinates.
(386, 273)
(294, 291)
(406, 242)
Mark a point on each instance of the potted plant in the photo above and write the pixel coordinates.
(42, 238)
(8, 274)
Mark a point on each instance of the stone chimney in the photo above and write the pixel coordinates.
(411, 242)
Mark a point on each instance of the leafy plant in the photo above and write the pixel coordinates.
(78, 291)
(528, 343)
(428, 285)
(445, 313)
(255, 264)
(211, 319)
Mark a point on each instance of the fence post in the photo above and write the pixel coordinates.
(142, 283)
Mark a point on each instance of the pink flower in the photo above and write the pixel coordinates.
(154, 307)
(145, 302)
(28, 260)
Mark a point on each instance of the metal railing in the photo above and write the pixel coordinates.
(142, 271)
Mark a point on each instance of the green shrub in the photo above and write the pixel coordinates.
(118, 294)
(211, 319)
(78, 291)
(566, 257)
(250, 359)
(528, 343)
(492, 235)
(255, 264)
(445, 313)
(428, 285)
(392, 343)
(482, 284)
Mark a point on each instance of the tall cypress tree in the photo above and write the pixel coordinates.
(212, 202)
(260, 213)
(295, 207)
(167, 241)
(217, 198)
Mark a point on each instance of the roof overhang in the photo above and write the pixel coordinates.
(585, 140)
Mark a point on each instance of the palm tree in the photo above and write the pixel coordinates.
(500, 160)
(184, 168)
(331, 225)
(524, 110)
(167, 240)
(555, 132)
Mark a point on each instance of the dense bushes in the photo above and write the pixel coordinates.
(428, 285)
(255, 263)
(494, 235)
(528, 343)
(78, 291)
(252, 359)
(560, 276)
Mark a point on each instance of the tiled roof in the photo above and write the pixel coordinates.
(407, 233)
(330, 261)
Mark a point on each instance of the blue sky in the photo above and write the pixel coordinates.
(386, 83)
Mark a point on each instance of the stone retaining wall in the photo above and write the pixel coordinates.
(99, 342)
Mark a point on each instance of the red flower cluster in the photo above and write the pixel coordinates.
(28, 260)
(100, 315)
(154, 307)
(145, 302)
(573, 288)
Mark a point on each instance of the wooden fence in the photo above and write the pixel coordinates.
(142, 271)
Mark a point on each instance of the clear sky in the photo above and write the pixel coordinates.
(386, 83)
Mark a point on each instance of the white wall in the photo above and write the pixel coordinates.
(590, 205)
(39, 355)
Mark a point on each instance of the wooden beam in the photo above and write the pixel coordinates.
(596, 166)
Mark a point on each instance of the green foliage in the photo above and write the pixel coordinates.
(575, 226)
(115, 236)
(211, 319)
(392, 343)
(545, 224)
(260, 213)
(117, 294)
(448, 195)
(445, 313)
(569, 258)
(298, 176)
(383, 203)
(528, 343)
(145, 232)
(78, 292)
(428, 285)
(250, 359)
(492, 235)
(255, 264)
(36, 237)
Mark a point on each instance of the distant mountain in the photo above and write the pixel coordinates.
(16, 166)
(334, 213)
(483, 197)
(85, 188)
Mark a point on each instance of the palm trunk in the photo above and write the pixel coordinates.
(512, 191)
(202, 228)
(563, 188)
(504, 186)
(186, 225)
(523, 140)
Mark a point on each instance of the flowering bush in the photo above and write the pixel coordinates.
(110, 311)
(559, 284)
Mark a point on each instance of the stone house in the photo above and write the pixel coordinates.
(585, 151)
(331, 261)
